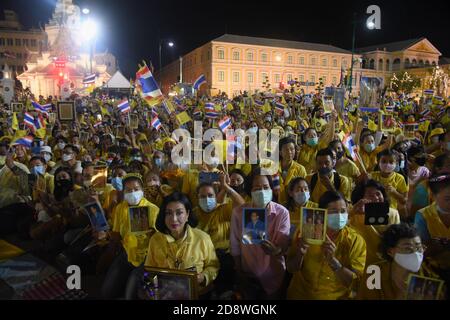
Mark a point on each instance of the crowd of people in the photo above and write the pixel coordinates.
(196, 225)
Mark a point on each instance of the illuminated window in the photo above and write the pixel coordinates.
(221, 54)
(289, 60)
(301, 78)
(264, 57)
(221, 76)
(236, 77)
(302, 60)
(250, 77)
(289, 77)
(250, 56)
(276, 78)
(236, 55)
(324, 62)
(313, 78)
(335, 63)
(313, 61)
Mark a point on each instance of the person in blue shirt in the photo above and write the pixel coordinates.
(255, 228)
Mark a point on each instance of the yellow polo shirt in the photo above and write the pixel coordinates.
(370, 159)
(316, 280)
(396, 180)
(135, 245)
(349, 169)
(195, 249)
(217, 224)
(295, 170)
(190, 184)
(320, 189)
(307, 155)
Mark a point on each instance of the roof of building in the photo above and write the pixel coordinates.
(444, 61)
(392, 46)
(231, 38)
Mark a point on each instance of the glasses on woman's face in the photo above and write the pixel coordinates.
(412, 249)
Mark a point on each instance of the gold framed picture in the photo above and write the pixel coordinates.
(134, 121)
(16, 107)
(170, 284)
(66, 111)
(41, 184)
(99, 178)
(387, 122)
(313, 225)
(423, 288)
(139, 219)
(409, 129)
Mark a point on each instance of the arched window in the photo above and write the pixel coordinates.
(421, 64)
(388, 65)
(407, 63)
(396, 64)
(364, 64)
(433, 63)
(427, 63)
(380, 64)
(372, 64)
(414, 63)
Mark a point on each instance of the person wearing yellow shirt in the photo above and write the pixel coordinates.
(38, 166)
(179, 245)
(433, 225)
(297, 198)
(365, 192)
(133, 248)
(370, 147)
(393, 182)
(344, 166)
(403, 252)
(289, 168)
(20, 155)
(312, 144)
(326, 179)
(332, 270)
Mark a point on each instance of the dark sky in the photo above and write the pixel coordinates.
(131, 28)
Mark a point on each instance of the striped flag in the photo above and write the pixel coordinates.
(428, 92)
(168, 106)
(90, 79)
(148, 88)
(390, 108)
(210, 111)
(41, 109)
(154, 113)
(200, 80)
(124, 106)
(156, 123)
(259, 103)
(97, 124)
(225, 124)
(425, 112)
(26, 141)
(350, 145)
(39, 122)
(29, 121)
(197, 111)
(279, 108)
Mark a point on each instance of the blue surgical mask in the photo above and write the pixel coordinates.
(207, 204)
(337, 221)
(261, 198)
(38, 170)
(301, 197)
(158, 162)
(312, 142)
(402, 164)
(369, 147)
(117, 183)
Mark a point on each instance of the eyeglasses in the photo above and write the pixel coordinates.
(408, 250)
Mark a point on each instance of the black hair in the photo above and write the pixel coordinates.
(249, 182)
(205, 184)
(160, 223)
(329, 197)
(114, 149)
(393, 234)
(65, 169)
(438, 183)
(439, 162)
(325, 152)
(365, 134)
(332, 143)
(38, 157)
(360, 190)
(290, 201)
(71, 146)
(284, 141)
(86, 164)
(414, 151)
(133, 178)
(306, 132)
(387, 153)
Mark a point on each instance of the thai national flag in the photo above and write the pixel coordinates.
(156, 123)
(124, 106)
(259, 103)
(210, 111)
(29, 121)
(224, 124)
(198, 83)
(279, 108)
(350, 145)
(197, 112)
(425, 113)
(390, 108)
(39, 108)
(428, 92)
(154, 113)
(148, 87)
(39, 122)
(90, 79)
(24, 141)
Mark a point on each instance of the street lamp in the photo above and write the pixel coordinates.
(86, 11)
(89, 30)
(170, 44)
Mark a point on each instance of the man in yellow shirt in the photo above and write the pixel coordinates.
(325, 179)
(344, 166)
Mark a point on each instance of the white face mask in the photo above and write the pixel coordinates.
(133, 198)
(47, 157)
(409, 261)
(67, 157)
(61, 145)
(214, 162)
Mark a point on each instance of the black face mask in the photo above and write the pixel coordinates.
(239, 189)
(62, 189)
(420, 161)
(340, 154)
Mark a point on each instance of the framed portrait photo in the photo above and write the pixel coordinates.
(41, 184)
(388, 123)
(169, 284)
(139, 219)
(66, 111)
(423, 288)
(96, 216)
(134, 121)
(409, 129)
(254, 226)
(313, 225)
(16, 107)
(100, 177)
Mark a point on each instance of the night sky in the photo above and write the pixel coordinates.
(130, 29)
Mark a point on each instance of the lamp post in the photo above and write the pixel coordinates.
(170, 44)
(89, 32)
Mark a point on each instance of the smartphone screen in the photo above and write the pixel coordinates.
(376, 213)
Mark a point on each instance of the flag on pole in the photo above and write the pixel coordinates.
(148, 88)
(90, 79)
(26, 141)
(39, 122)
(40, 109)
(350, 145)
(156, 123)
(198, 83)
(225, 124)
(210, 111)
(428, 92)
(29, 121)
(279, 108)
(124, 106)
(197, 112)
(15, 122)
(168, 106)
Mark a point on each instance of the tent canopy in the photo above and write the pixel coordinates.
(118, 81)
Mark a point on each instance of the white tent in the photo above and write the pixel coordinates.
(118, 81)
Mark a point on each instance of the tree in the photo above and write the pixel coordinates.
(439, 81)
(404, 83)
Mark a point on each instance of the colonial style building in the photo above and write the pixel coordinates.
(17, 43)
(234, 63)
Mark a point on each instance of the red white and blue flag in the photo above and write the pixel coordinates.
(24, 141)
(225, 124)
(199, 81)
(28, 120)
(41, 109)
(350, 145)
(279, 108)
(210, 111)
(124, 106)
(156, 123)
